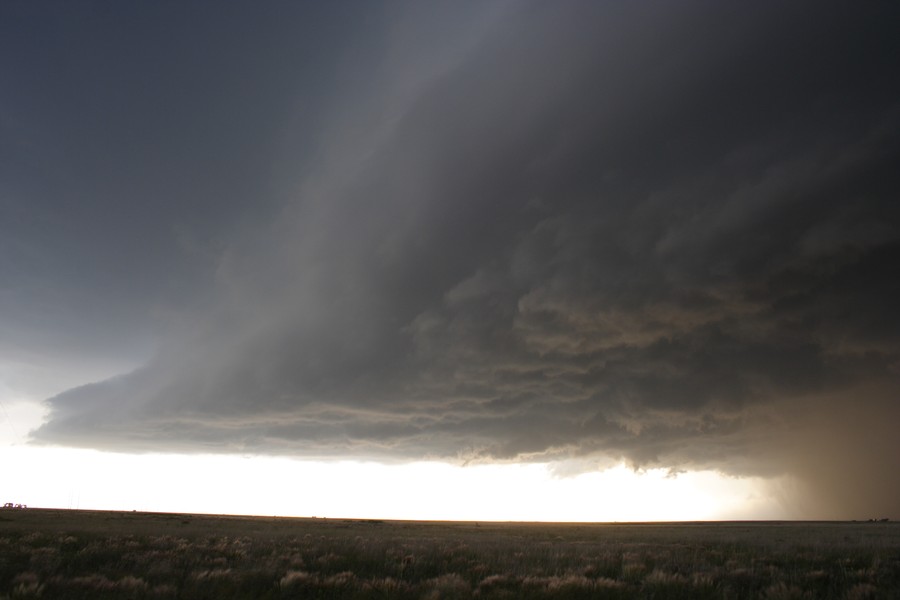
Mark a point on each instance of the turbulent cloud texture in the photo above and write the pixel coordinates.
(659, 232)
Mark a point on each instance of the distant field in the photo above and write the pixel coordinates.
(93, 554)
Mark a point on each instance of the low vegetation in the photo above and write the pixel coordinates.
(85, 554)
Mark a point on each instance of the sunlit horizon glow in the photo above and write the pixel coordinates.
(270, 486)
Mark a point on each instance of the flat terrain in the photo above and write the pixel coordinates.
(95, 554)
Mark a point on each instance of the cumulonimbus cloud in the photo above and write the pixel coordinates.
(596, 230)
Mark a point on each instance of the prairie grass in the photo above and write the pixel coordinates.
(85, 554)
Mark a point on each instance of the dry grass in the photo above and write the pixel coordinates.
(85, 554)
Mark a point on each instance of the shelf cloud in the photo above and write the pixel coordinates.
(658, 233)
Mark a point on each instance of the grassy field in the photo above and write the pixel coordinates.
(93, 554)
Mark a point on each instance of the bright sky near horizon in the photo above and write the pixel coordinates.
(87, 479)
(487, 259)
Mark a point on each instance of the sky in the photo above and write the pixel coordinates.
(512, 260)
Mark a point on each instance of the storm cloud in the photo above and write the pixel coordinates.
(652, 232)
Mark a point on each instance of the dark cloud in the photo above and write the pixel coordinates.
(658, 233)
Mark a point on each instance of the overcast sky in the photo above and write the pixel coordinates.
(652, 232)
